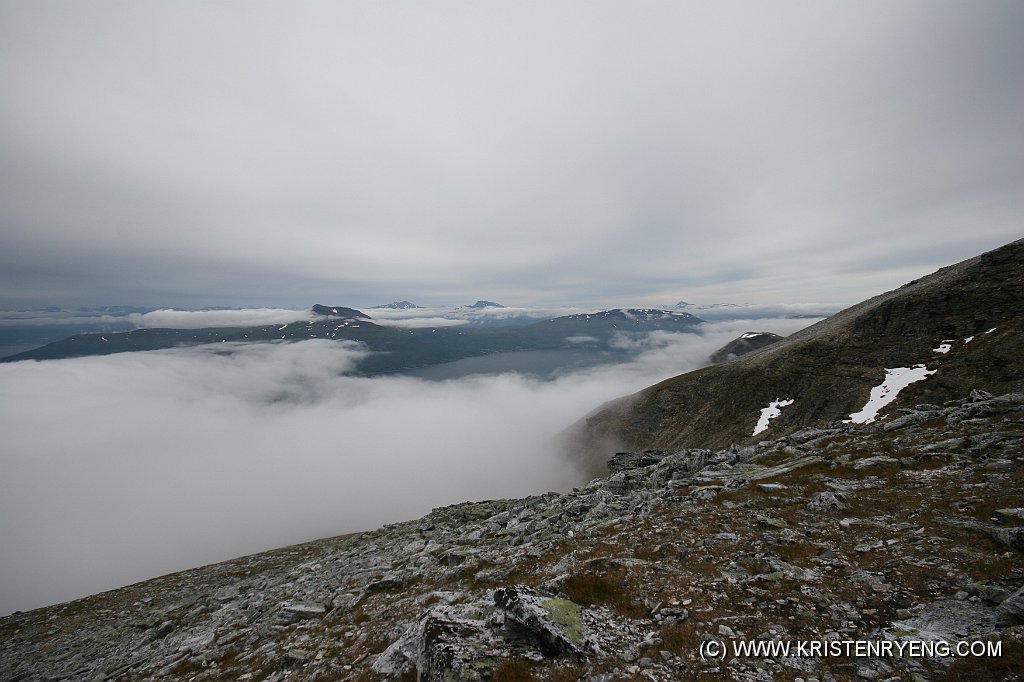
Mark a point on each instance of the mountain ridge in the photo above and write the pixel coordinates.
(394, 349)
(830, 367)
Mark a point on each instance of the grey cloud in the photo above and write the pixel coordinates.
(555, 154)
(416, 322)
(198, 319)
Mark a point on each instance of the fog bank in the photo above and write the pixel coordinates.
(119, 468)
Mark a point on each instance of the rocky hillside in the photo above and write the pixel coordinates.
(906, 530)
(965, 321)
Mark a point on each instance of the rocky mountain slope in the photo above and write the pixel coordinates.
(965, 321)
(900, 531)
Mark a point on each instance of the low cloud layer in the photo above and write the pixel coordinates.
(469, 314)
(419, 322)
(119, 468)
(198, 319)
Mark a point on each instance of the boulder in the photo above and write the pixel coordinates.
(622, 461)
(828, 501)
(554, 623)
(1013, 606)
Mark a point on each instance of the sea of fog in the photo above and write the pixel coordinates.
(119, 468)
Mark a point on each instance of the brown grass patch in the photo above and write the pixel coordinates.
(606, 588)
(1006, 668)
(570, 673)
(513, 670)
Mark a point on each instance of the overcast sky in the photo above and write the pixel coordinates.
(534, 153)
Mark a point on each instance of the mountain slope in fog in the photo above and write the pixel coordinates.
(876, 527)
(814, 537)
(965, 322)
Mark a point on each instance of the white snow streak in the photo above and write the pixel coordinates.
(896, 379)
(944, 347)
(769, 413)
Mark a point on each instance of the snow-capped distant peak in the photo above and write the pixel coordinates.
(398, 305)
(635, 315)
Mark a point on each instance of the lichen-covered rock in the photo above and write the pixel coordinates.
(555, 623)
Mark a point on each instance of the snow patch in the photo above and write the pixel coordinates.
(896, 379)
(769, 413)
(992, 330)
(969, 339)
(944, 347)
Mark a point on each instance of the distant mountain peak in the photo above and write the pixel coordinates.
(339, 311)
(486, 304)
(398, 305)
(746, 343)
(710, 306)
(627, 320)
(634, 315)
